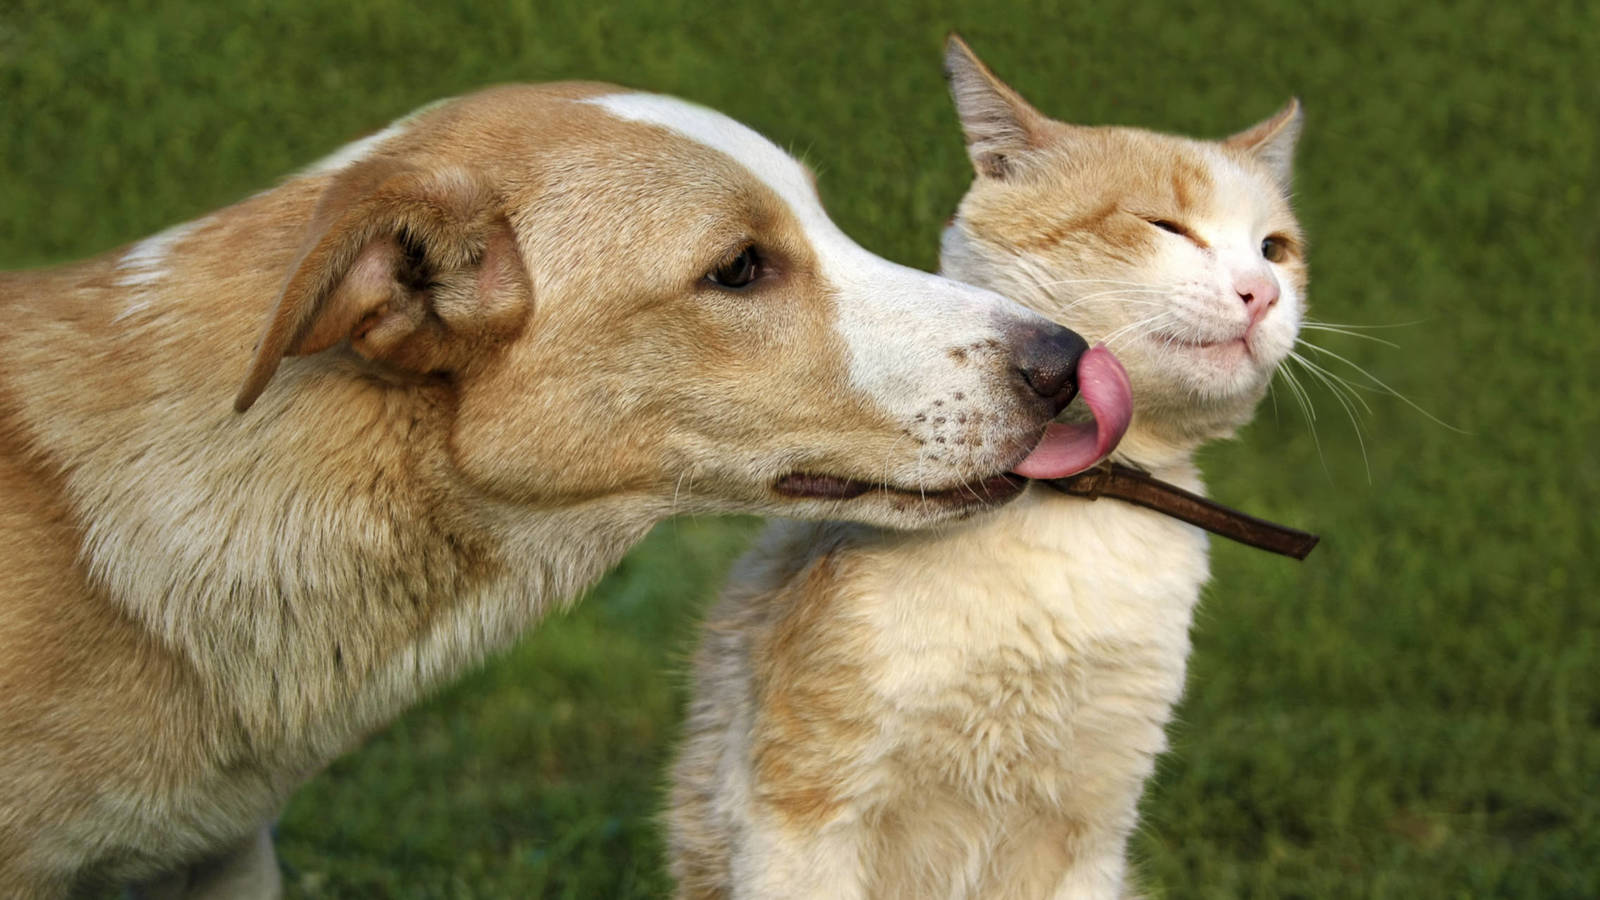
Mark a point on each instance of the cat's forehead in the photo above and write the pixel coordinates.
(1174, 174)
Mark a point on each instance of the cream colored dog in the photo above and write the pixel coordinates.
(502, 339)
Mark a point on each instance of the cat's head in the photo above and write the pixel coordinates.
(1183, 255)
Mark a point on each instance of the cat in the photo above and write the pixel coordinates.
(973, 711)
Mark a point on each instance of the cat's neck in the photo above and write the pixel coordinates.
(1166, 453)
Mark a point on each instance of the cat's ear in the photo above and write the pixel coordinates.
(1272, 141)
(1000, 127)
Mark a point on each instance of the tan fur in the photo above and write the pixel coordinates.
(971, 711)
(485, 362)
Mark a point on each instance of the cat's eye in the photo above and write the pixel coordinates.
(1172, 227)
(737, 271)
(1275, 249)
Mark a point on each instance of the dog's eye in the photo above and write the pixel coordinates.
(1275, 249)
(738, 271)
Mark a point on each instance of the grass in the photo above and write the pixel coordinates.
(1414, 712)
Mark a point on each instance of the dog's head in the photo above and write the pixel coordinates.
(629, 295)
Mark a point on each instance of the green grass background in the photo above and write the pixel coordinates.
(1414, 712)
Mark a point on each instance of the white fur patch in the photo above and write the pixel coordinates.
(145, 264)
(357, 150)
(146, 261)
(878, 300)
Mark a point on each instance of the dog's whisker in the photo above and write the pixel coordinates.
(673, 509)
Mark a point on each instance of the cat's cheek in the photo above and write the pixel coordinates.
(1276, 338)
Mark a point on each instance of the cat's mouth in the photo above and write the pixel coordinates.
(1239, 343)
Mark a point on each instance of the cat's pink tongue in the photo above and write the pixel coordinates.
(1068, 449)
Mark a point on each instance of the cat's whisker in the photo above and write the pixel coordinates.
(1340, 392)
(1172, 338)
(1063, 281)
(1300, 396)
(1146, 324)
(1335, 381)
(1122, 294)
(1125, 301)
(1318, 326)
(1352, 327)
(1125, 290)
(1385, 387)
(1151, 321)
(1304, 399)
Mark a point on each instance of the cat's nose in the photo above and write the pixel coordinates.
(1258, 290)
(1046, 361)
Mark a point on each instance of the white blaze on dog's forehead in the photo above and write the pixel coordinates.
(765, 160)
(878, 300)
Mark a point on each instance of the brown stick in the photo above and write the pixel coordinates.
(1139, 488)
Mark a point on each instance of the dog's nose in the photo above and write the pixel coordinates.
(1046, 358)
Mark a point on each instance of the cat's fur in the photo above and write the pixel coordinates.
(973, 711)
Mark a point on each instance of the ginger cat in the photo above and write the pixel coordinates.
(973, 711)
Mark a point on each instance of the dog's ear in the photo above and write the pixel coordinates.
(1272, 141)
(1000, 127)
(416, 269)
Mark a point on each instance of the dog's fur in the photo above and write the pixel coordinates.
(972, 711)
(491, 360)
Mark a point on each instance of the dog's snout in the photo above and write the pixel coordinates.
(1046, 358)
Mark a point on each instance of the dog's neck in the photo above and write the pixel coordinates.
(314, 561)
(342, 601)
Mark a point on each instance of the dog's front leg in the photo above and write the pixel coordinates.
(249, 871)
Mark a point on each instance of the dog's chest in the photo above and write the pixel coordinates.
(1037, 654)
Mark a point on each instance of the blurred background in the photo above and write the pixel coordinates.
(1413, 712)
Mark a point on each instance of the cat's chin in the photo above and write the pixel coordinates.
(1197, 393)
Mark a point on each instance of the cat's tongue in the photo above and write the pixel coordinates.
(1068, 449)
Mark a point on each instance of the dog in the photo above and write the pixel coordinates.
(471, 360)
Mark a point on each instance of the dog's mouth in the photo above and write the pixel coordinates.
(1067, 449)
(1062, 450)
(991, 491)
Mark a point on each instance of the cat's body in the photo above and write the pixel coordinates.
(973, 711)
